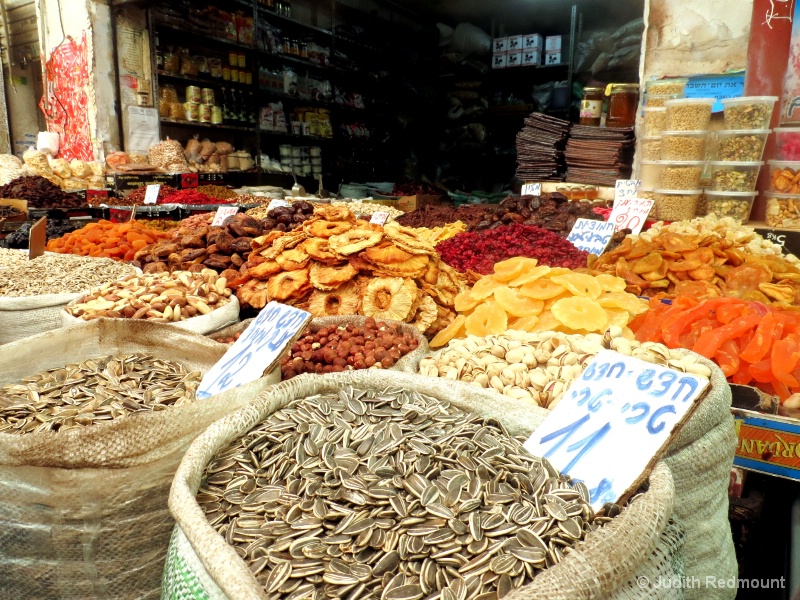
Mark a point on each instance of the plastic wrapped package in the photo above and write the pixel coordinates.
(10, 168)
(84, 511)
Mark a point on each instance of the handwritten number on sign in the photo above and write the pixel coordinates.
(654, 427)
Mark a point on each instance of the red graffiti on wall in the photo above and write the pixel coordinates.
(65, 103)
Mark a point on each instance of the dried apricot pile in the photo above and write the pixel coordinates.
(703, 266)
(752, 343)
(523, 295)
(119, 241)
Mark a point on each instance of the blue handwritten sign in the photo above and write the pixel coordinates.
(617, 404)
(591, 236)
(261, 345)
(730, 85)
(626, 188)
(532, 189)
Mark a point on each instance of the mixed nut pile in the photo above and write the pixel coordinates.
(539, 367)
(55, 273)
(94, 391)
(390, 494)
(159, 297)
(334, 349)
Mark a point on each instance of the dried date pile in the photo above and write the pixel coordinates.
(375, 344)
(40, 193)
(554, 212)
(55, 229)
(288, 218)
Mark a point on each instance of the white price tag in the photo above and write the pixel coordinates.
(151, 195)
(223, 212)
(276, 204)
(626, 188)
(630, 213)
(379, 218)
(259, 348)
(532, 189)
(591, 236)
(614, 422)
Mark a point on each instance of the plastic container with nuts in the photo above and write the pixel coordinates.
(655, 119)
(683, 145)
(784, 176)
(659, 100)
(783, 210)
(748, 112)
(679, 174)
(649, 172)
(689, 114)
(741, 145)
(676, 205)
(729, 176)
(787, 143)
(730, 204)
(666, 87)
(645, 193)
(651, 147)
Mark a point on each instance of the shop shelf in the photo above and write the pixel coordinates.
(268, 15)
(179, 123)
(187, 31)
(205, 82)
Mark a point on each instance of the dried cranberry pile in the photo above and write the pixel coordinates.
(479, 250)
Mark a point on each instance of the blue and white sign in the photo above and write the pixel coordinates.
(626, 188)
(532, 189)
(613, 421)
(257, 350)
(591, 236)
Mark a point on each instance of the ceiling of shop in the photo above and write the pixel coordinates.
(524, 16)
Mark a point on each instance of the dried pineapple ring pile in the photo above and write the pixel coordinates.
(525, 296)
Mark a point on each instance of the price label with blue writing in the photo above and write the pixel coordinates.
(626, 188)
(258, 349)
(532, 189)
(591, 236)
(614, 421)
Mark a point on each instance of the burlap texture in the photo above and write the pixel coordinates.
(28, 315)
(408, 364)
(83, 513)
(598, 566)
(216, 319)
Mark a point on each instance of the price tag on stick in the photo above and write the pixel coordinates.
(379, 218)
(614, 423)
(591, 236)
(532, 189)
(37, 238)
(151, 194)
(276, 204)
(630, 213)
(626, 188)
(257, 351)
(223, 212)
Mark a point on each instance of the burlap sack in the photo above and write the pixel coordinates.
(83, 513)
(408, 364)
(216, 319)
(28, 315)
(597, 567)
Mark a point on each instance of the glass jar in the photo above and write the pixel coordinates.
(622, 104)
(304, 50)
(591, 106)
(295, 48)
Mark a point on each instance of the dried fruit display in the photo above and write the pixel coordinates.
(339, 265)
(192, 248)
(373, 345)
(137, 196)
(119, 241)
(284, 218)
(784, 177)
(192, 197)
(752, 343)
(524, 295)
(434, 235)
(40, 193)
(479, 251)
(704, 266)
(55, 228)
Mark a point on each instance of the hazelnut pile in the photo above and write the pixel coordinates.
(228, 339)
(376, 344)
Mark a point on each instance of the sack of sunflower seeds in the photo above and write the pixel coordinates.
(414, 477)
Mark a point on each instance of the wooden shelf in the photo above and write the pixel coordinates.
(180, 123)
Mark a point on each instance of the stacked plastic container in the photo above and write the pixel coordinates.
(737, 156)
(783, 199)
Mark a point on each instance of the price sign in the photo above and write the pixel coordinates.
(626, 188)
(37, 238)
(379, 218)
(630, 213)
(614, 422)
(591, 236)
(258, 349)
(223, 212)
(276, 204)
(532, 189)
(151, 195)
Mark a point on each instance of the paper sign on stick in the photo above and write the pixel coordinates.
(223, 212)
(591, 236)
(379, 218)
(630, 213)
(614, 422)
(626, 188)
(151, 195)
(259, 348)
(532, 189)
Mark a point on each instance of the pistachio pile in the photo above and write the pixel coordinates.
(539, 367)
(159, 297)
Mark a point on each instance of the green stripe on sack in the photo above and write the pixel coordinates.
(180, 582)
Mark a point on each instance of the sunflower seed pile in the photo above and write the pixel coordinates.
(390, 495)
(95, 391)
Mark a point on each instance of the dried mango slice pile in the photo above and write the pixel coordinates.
(523, 295)
(752, 343)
